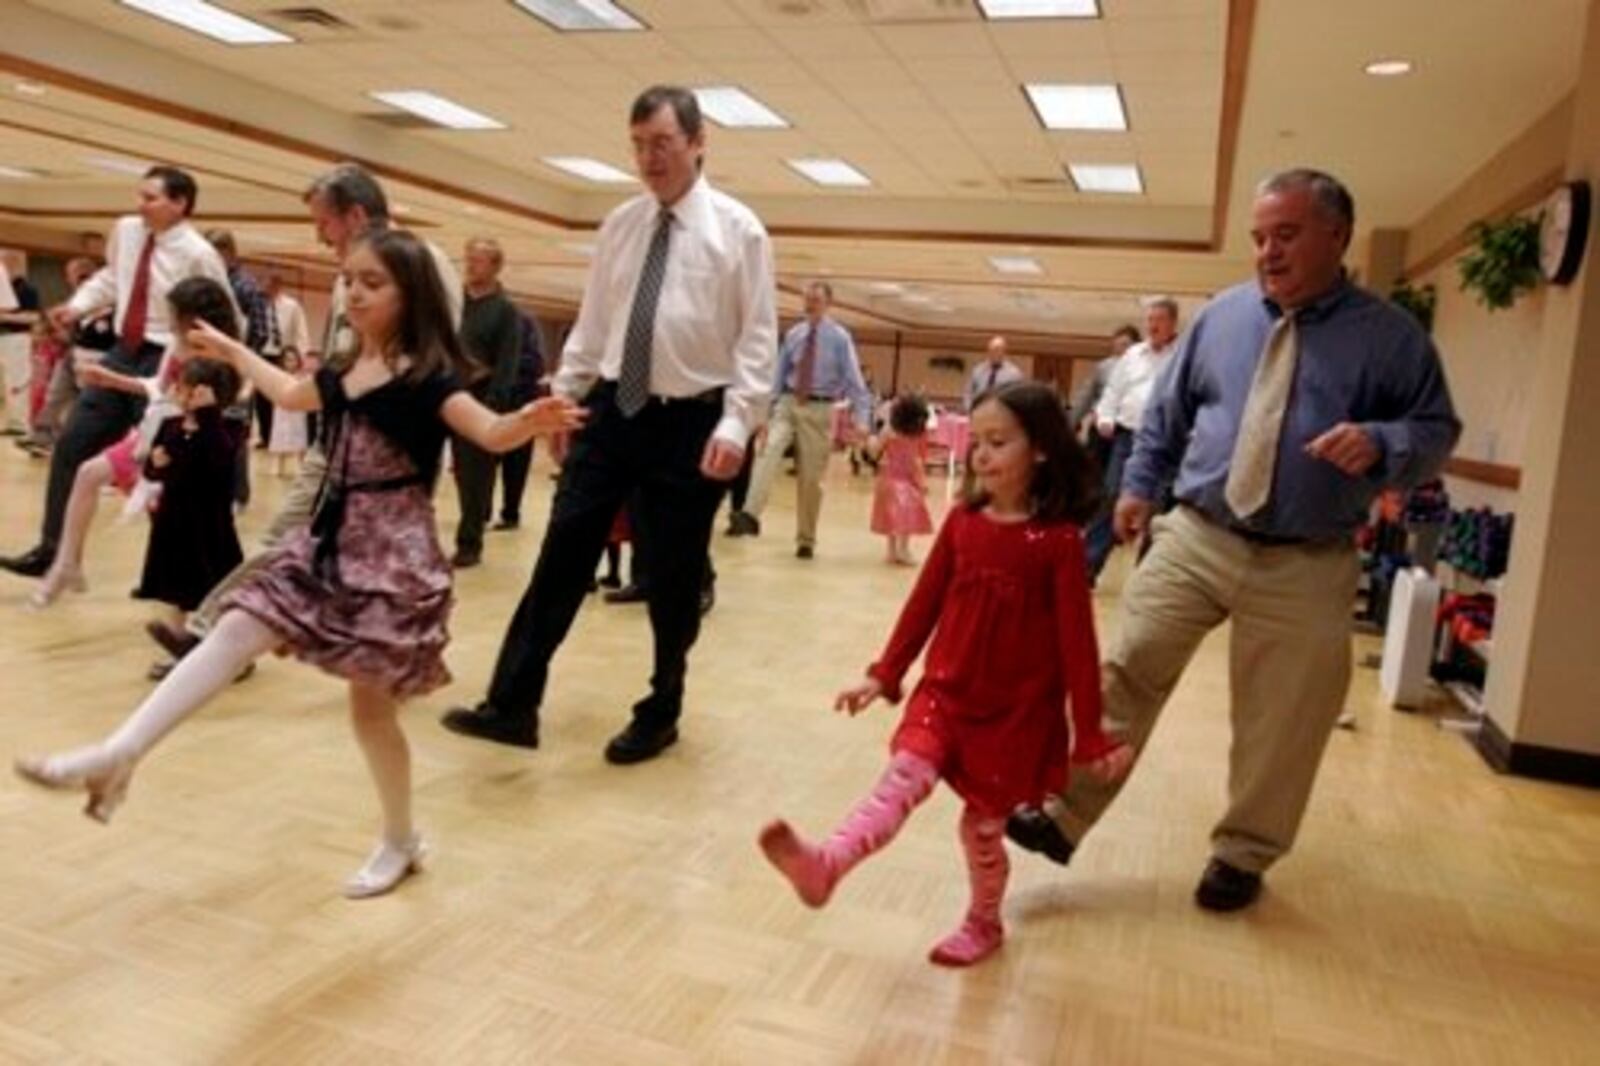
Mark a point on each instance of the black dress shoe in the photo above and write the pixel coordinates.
(805, 551)
(629, 593)
(175, 642)
(34, 563)
(741, 524)
(1226, 888)
(610, 581)
(638, 743)
(505, 524)
(463, 560)
(1033, 830)
(486, 723)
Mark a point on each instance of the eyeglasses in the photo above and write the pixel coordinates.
(658, 145)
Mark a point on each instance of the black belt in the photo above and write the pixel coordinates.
(709, 396)
(1254, 536)
(328, 520)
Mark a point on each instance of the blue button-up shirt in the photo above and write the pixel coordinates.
(836, 373)
(1361, 360)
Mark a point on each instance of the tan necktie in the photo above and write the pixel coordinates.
(1255, 453)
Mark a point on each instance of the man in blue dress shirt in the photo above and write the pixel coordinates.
(1291, 401)
(817, 367)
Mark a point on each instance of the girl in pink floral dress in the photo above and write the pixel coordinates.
(364, 591)
(899, 500)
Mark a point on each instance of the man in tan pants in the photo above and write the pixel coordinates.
(817, 367)
(1290, 402)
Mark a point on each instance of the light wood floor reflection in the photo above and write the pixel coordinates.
(579, 913)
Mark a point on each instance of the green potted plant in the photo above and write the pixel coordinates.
(1504, 263)
(1419, 301)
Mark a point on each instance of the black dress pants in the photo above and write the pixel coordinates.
(99, 419)
(514, 480)
(654, 458)
(475, 485)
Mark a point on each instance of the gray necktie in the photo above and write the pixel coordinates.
(633, 381)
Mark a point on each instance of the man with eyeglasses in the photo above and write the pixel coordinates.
(672, 355)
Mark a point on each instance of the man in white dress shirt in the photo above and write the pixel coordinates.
(994, 371)
(146, 255)
(672, 355)
(1121, 410)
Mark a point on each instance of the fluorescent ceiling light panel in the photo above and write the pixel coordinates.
(579, 249)
(17, 172)
(1118, 177)
(210, 20)
(729, 106)
(1015, 264)
(1040, 9)
(1078, 107)
(29, 88)
(589, 169)
(581, 14)
(834, 172)
(438, 110)
(1388, 68)
(888, 288)
(117, 166)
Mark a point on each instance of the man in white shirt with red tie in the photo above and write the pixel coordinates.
(146, 255)
(1120, 412)
(672, 355)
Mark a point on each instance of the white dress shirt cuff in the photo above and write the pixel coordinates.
(733, 430)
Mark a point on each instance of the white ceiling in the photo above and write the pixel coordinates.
(921, 94)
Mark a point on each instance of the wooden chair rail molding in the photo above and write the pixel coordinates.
(1497, 474)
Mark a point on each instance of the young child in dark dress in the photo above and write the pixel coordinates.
(1004, 598)
(364, 592)
(193, 543)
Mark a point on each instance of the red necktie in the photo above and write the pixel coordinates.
(133, 322)
(808, 363)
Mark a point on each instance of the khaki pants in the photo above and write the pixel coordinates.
(809, 427)
(1289, 671)
(16, 367)
(295, 512)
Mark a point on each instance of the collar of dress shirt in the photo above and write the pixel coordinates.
(693, 208)
(1320, 307)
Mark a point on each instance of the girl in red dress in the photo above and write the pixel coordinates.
(1004, 597)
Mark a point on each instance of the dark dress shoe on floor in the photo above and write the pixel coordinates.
(1033, 830)
(505, 524)
(486, 723)
(638, 743)
(1226, 888)
(465, 560)
(626, 594)
(743, 525)
(610, 581)
(175, 642)
(34, 563)
(805, 551)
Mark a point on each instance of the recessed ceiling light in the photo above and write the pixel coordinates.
(589, 169)
(835, 172)
(1040, 9)
(887, 288)
(1389, 68)
(920, 298)
(210, 20)
(20, 173)
(1078, 107)
(118, 166)
(581, 14)
(1015, 264)
(579, 249)
(437, 109)
(727, 105)
(29, 88)
(1117, 178)
(473, 209)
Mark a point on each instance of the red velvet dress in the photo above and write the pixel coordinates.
(1007, 606)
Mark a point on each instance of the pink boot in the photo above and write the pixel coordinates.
(814, 870)
(980, 934)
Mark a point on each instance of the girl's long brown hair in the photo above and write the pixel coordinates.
(1066, 484)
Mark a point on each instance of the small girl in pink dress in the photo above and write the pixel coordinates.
(899, 500)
